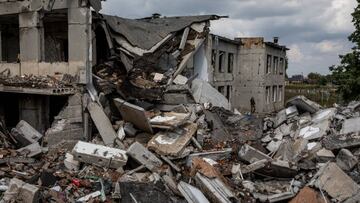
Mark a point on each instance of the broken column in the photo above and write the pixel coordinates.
(68, 124)
(20, 191)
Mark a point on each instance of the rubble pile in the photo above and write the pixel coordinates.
(192, 152)
(33, 81)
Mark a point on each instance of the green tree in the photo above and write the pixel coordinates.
(347, 74)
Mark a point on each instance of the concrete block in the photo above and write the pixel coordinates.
(133, 114)
(191, 193)
(99, 155)
(346, 160)
(142, 155)
(70, 163)
(303, 104)
(214, 189)
(251, 155)
(25, 133)
(21, 192)
(102, 123)
(31, 150)
(335, 182)
(351, 126)
(174, 142)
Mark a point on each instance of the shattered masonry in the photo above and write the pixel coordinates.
(101, 108)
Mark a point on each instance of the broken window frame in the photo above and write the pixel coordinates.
(268, 64)
(221, 61)
(267, 94)
(275, 64)
(230, 62)
(280, 92)
(274, 93)
(281, 66)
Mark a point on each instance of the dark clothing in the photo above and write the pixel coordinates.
(252, 103)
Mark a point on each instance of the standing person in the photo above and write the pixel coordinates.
(252, 103)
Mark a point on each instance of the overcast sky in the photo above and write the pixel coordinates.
(316, 31)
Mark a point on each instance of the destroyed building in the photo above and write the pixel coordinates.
(244, 68)
(125, 109)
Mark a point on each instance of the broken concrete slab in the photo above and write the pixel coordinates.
(280, 118)
(169, 120)
(191, 193)
(351, 126)
(173, 142)
(325, 114)
(315, 131)
(203, 92)
(291, 111)
(331, 179)
(102, 123)
(99, 155)
(303, 104)
(215, 189)
(70, 163)
(333, 142)
(346, 160)
(324, 155)
(133, 114)
(251, 155)
(22, 192)
(25, 134)
(31, 150)
(254, 166)
(214, 155)
(142, 155)
(180, 80)
(308, 194)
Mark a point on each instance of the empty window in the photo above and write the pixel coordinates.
(56, 36)
(267, 95)
(228, 92)
(280, 93)
(221, 61)
(9, 38)
(268, 64)
(281, 66)
(230, 62)
(274, 93)
(221, 89)
(275, 65)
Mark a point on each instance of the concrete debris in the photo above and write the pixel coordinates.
(308, 194)
(351, 126)
(331, 179)
(214, 189)
(191, 193)
(103, 124)
(31, 150)
(134, 114)
(20, 191)
(346, 160)
(99, 155)
(303, 104)
(138, 152)
(174, 142)
(25, 134)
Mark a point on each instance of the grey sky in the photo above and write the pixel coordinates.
(315, 30)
